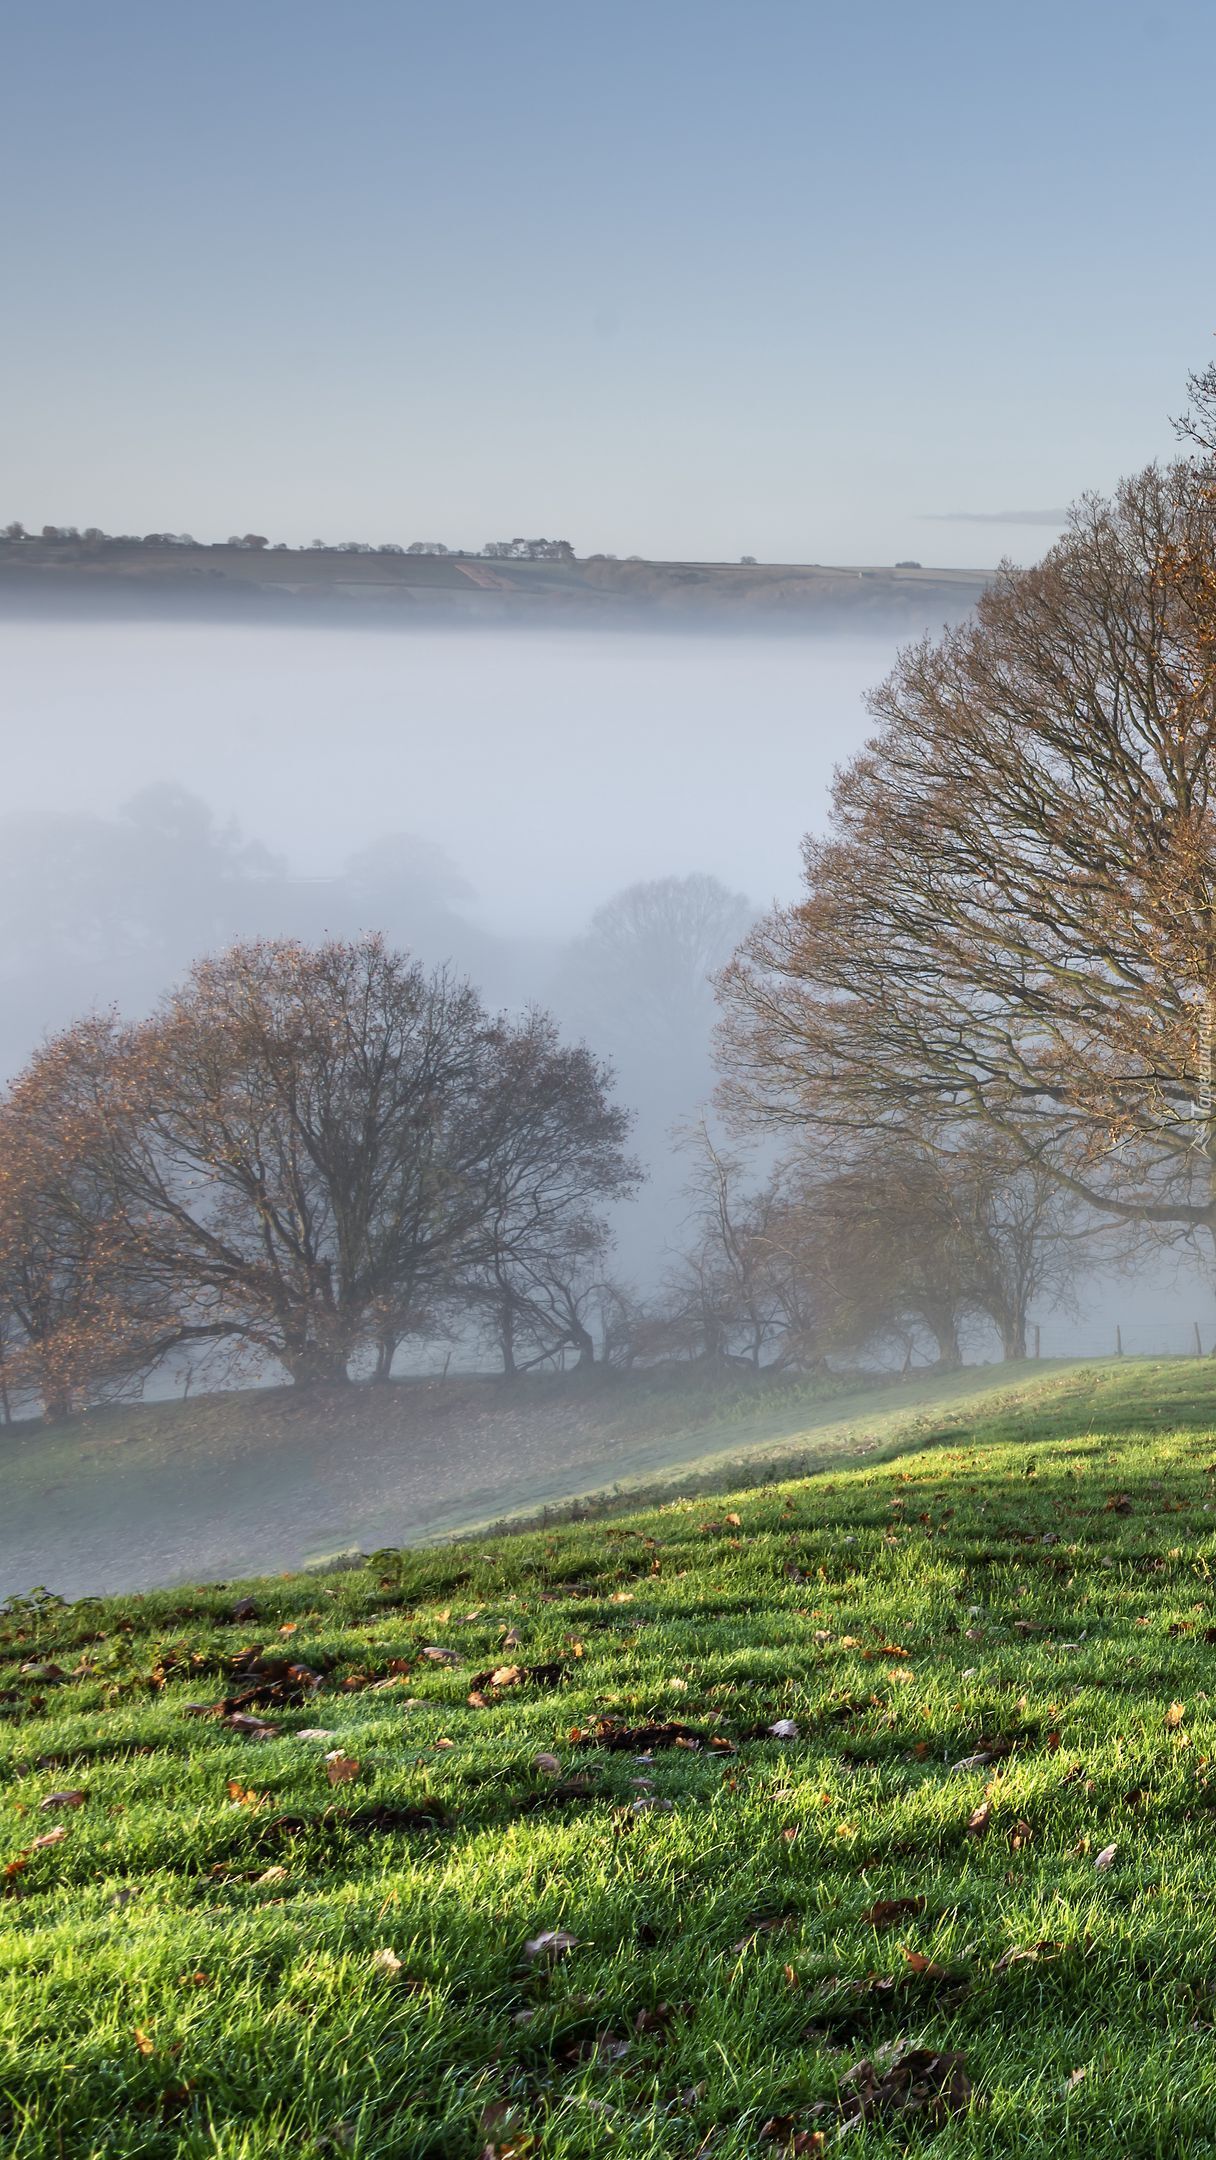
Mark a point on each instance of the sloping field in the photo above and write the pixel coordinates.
(868, 1813)
(241, 1483)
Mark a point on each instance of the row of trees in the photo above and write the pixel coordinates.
(307, 1155)
(895, 1252)
(517, 550)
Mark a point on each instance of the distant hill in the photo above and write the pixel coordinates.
(137, 579)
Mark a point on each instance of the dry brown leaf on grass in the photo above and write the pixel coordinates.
(144, 2042)
(885, 1912)
(340, 1769)
(54, 1836)
(1105, 1857)
(550, 1945)
(1174, 1716)
(1044, 1949)
(56, 1801)
(548, 1765)
(925, 1967)
(979, 1819)
(916, 2082)
(783, 2130)
(387, 1964)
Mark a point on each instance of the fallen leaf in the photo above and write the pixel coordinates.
(54, 1836)
(1031, 1952)
(314, 1732)
(917, 2081)
(925, 1967)
(340, 1769)
(1174, 1716)
(547, 1947)
(1105, 1857)
(57, 1800)
(978, 1820)
(144, 2042)
(885, 1912)
(784, 1729)
(387, 1964)
(548, 1765)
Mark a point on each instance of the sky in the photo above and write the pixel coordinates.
(672, 277)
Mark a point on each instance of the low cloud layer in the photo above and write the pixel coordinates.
(994, 517)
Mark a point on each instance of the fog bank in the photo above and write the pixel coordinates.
(552, 769)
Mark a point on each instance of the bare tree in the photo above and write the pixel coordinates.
(1011, 923)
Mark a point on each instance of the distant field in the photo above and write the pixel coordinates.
(266, 1479)
(864, 1814)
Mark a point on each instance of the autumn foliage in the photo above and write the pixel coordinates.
(305, 1155)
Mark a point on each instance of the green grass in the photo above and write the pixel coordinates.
(1044, 1585)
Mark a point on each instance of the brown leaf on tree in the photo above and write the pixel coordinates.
(887, 1912)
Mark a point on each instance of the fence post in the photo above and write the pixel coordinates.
(1118, 1341)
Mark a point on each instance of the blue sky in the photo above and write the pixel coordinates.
(687, 279)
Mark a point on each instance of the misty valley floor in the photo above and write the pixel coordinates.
(871, 1810)
(157, 1493)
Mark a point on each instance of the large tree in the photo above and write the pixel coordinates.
(306, 1150)
(1010, 922)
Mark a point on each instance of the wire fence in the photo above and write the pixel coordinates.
(1120, 1338)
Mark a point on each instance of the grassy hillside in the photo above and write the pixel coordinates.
(133, 579)
(869, 1812)
(242, 1483)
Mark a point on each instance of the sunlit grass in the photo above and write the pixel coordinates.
(165, 1989)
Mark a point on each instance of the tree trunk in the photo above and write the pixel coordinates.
(581, 1340)
(506, 1340)
(943, 1326)
(1013, 1335)
(315, 1368)
(386, 1351)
